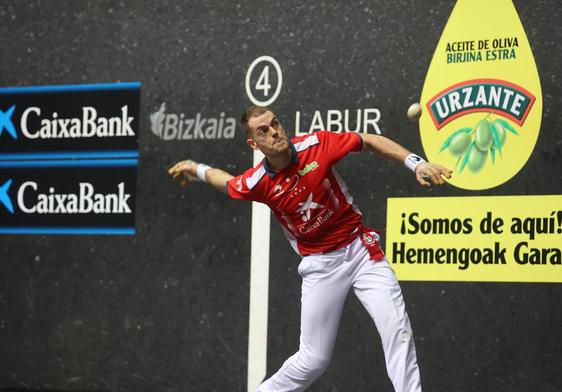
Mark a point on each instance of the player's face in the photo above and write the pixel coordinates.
(268, 135)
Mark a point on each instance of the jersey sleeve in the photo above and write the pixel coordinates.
(238, 187)
(338, 145)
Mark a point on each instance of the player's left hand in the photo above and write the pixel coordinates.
(429, 174)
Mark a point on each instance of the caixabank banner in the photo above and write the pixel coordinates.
(68, 197)
(68, 159)
(70, 121)
(482, 113)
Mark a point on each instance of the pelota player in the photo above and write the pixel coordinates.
(298, 181)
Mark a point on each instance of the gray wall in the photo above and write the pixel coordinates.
(167, 309)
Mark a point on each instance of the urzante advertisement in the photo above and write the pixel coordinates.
(483, 108)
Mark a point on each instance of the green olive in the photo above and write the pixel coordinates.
(501, 132)
(483, 135)
(476, 159)
(459, 143)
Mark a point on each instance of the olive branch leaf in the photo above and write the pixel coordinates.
(506, 125)
(466, 155)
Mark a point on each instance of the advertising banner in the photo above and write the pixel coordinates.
(69, 121)
(481, 238)
(482, 115)
(68, 158)
(68, 197)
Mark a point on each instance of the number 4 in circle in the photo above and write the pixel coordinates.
(263, 83)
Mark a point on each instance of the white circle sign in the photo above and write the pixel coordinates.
(263, 83)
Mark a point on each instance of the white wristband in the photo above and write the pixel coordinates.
(201, 170)
(412, 161)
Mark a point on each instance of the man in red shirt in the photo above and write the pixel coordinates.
(298, 181)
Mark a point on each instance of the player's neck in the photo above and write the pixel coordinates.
(279, 162)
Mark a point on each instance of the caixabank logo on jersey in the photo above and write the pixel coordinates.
(71, 118)
(68, 159)
(482, 97)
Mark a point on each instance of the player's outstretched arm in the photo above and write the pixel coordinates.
(427, 173)
(188, 171)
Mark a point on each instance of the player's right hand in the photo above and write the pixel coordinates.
(186, 171)
(429, 174)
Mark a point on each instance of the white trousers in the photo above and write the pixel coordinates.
(326, 280)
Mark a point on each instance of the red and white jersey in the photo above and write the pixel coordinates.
(308, 197)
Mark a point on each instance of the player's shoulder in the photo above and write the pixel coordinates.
(255, 170)
(323, 137)
(304, 142)
(252, 176)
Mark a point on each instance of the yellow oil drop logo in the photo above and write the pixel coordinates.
(482, 97)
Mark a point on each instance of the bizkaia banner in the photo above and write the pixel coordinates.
(89, 196)
(70, 121)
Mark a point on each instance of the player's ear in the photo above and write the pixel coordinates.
(251, 142)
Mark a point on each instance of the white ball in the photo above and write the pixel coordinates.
(414, 112)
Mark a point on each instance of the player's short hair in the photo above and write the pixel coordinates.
(252, 111)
